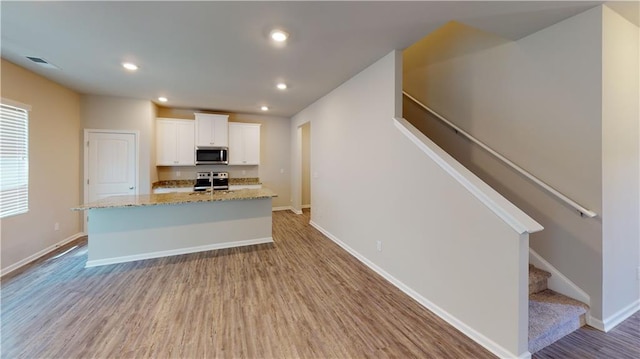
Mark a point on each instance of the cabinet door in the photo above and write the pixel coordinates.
(166, 143)
(221, 131)
(236, 144)
(204, 131)
(211, 130)
(244, 186)
(244, 143)
(185, 148)
(251, 135)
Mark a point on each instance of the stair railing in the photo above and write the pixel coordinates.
(584, 212)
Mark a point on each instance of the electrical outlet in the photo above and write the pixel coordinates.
(178, 173)
(379, 246)
(56, 226)
(282, 170)
(244, 172)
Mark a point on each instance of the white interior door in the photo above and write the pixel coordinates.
(110, 165)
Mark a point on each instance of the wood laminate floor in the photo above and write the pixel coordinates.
(301, 297)
(622, 342)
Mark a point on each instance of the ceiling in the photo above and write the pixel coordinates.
(217, 55)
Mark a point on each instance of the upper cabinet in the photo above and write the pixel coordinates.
(244, 143)
(175, 142)
(212, 130)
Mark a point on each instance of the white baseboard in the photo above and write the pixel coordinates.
(558, 282)
(458, 324)
(286, 208)
(613, 320)
(43, 252)
(173, 252)
(305, 206)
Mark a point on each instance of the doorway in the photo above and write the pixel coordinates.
(110, 164)
(306, 166)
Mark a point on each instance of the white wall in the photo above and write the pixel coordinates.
(274, 170)
(275, 154)
(54, 159)
(538, 102)
(119, 113)
(439, 242)
(620, 165)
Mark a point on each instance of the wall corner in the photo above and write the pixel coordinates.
(397, 90)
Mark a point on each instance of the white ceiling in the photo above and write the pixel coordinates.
(216, 55)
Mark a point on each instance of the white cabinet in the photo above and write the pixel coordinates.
(235, 187)
(175, 142)
(244, 143)
(172, 190)
(212, 130)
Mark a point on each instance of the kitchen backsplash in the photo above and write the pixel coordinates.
(189, 172)
(190, 183)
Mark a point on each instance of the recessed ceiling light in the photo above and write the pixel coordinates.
(264, 108)
(279, 35)
(281, 86)
(129, 66)
(162, 99)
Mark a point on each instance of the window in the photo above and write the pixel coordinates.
(14, 159)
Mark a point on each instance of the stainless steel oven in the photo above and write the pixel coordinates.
(211, 181)
(212, 155)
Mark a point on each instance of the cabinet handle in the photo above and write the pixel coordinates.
(131, 187)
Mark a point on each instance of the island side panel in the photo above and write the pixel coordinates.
(132, 233)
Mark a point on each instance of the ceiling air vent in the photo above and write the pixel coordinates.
(42, 62)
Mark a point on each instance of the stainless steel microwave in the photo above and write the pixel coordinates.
(212, 155)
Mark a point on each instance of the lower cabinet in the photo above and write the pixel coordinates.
(190, 189)
(234, 187)
(244, 143)
(172, 189)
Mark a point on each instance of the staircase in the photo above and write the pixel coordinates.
(551, 315)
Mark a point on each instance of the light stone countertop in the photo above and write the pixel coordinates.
(246, 180)
(190, 183)
(173, 184)
(176, 198)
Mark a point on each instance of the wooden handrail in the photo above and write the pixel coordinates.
(584, 212)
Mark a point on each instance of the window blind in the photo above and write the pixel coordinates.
(14, 160)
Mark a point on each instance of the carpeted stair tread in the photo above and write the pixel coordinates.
(537, 279)
(551, 317)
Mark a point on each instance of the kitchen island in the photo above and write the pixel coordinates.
(129, 228)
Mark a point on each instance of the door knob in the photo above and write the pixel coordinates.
(131, 187)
